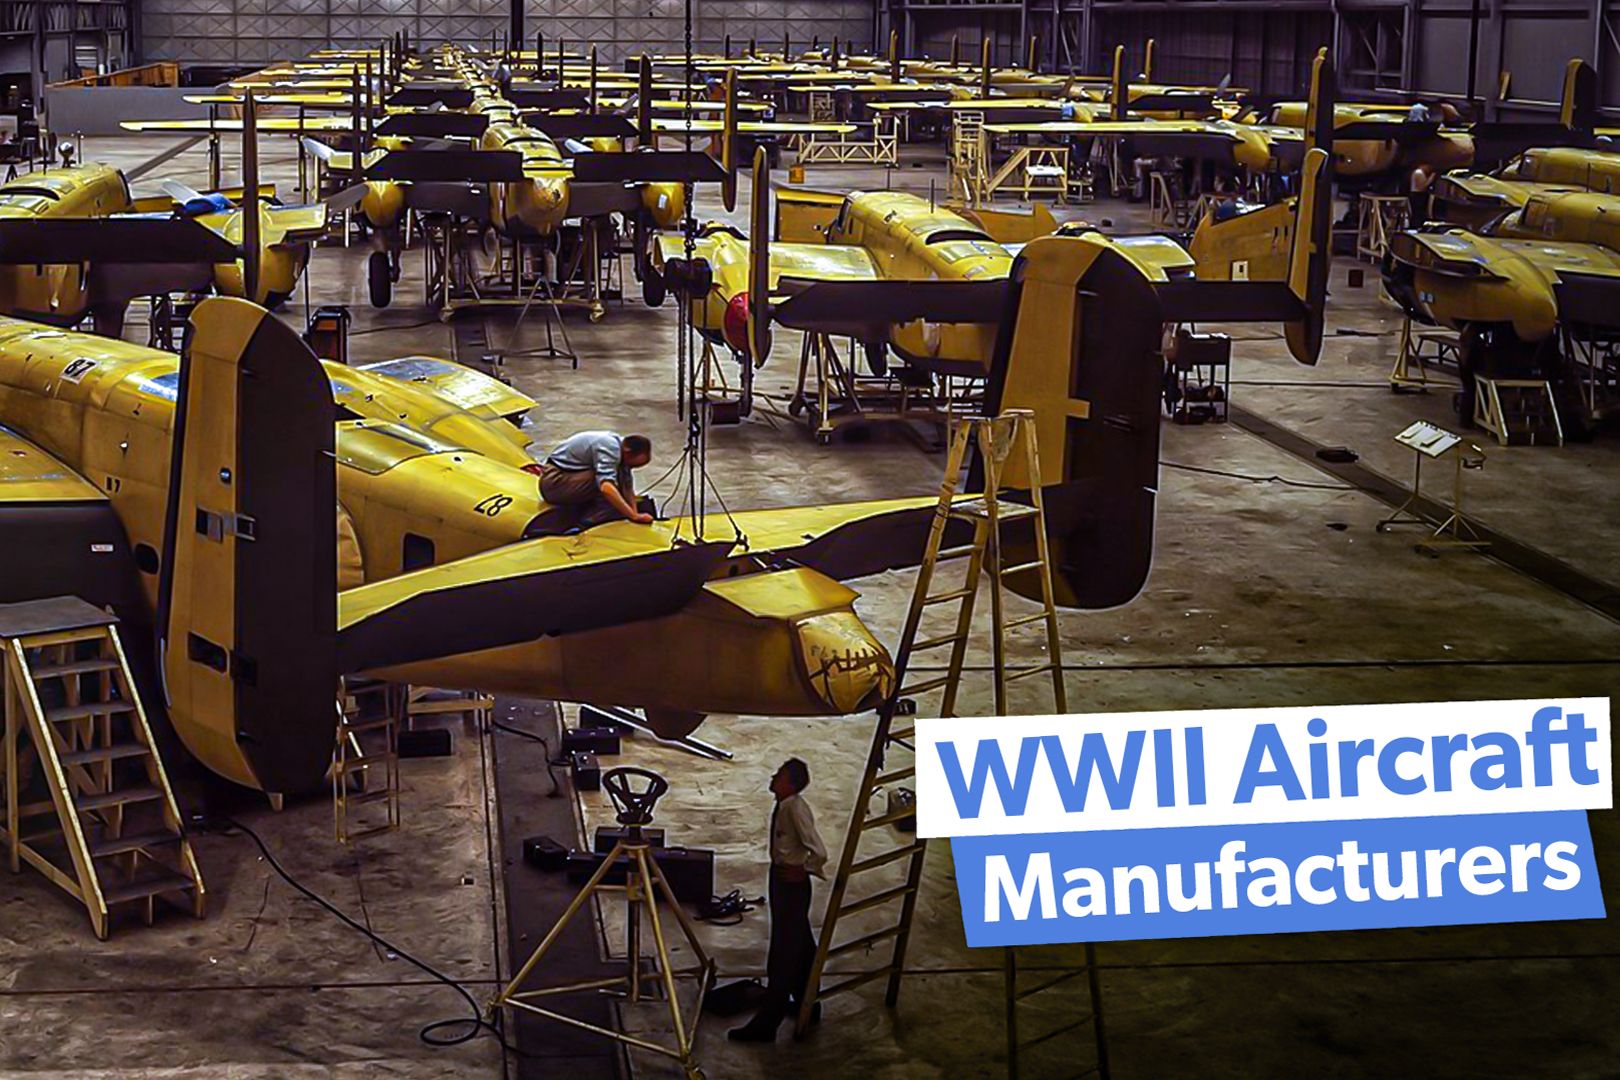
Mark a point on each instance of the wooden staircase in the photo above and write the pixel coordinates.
(87, 802)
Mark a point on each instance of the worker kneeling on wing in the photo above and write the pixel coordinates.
(591, 471)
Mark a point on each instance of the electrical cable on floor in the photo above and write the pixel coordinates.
(552, 763)
(428, 1034)
(1257, 479)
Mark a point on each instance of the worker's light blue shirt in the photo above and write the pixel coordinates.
(601, 451)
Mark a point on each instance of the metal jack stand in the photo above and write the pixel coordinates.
(645, 886)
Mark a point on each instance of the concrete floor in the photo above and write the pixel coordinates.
(1263, 593)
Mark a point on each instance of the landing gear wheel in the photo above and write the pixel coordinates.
(597, 311)
(653, 288)
(380, 277)
(796, 408)
(824, 438)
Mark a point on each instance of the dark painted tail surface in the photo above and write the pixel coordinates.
(248, 595)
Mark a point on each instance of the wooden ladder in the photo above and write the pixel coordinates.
(997, 440)
(1018, 1046)
(72, 712)
(354, 768)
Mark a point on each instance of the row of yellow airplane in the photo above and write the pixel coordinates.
(212, 498)
(1509, 259)
(903, 271)
(527, 154)
(75, 244)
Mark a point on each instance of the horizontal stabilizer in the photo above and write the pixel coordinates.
(452, 95)
(582, 126)
(521, 592)
(1215, 146)
(1173, 102)
(1588, 299)
(1227, 301)
(1497, 141)
(434, 125)
(1400, 131)
(111, 240)
(649, 166)
(525, 98)
(867, 309)
(448, 166)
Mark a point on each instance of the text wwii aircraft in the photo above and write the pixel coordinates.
(209, 497)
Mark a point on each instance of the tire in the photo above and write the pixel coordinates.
(380, 277)
(653, 287)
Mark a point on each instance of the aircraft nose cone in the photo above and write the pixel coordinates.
(845, 665)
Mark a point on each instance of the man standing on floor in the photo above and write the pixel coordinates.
(591, 471)
(797, 855)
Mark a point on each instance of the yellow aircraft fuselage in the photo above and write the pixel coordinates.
(281, 262)
(909, 239)
(1357, 158)
(57, 294)
(1508, 275)
(540, 204)
(423, 481)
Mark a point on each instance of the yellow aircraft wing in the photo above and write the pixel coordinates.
(675, 126)
(1482, 189)
(841, 540)
(30, 475)
(292, 84)
(299, 224)
(1469, 255)
(553, 585)
(806, 262)
(1252, 146)
(472, 390)
(314, 99)
(289, 124)
(988, 106)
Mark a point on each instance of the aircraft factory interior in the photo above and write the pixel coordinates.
(492, 496)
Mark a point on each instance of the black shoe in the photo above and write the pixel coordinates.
(753, 1032)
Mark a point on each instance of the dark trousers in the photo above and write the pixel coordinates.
(581, 491)
(793, 947)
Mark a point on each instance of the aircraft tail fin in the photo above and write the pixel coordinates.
(728, 143)
(1080, 348)
(1578, 106)
(1311, 250)
(1147, 61)
(252, 225)
(1119, 93)
(759, 260)
(1310, 253)
(247, 615)
(644, 100)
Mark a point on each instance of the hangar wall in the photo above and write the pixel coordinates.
(1381, 45)
(236, 32)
